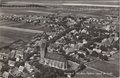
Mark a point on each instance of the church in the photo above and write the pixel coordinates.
(51, 59)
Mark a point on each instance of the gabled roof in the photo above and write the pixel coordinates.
(56, 56)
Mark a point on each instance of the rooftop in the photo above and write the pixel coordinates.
(56, 56)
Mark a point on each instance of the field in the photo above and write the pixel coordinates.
(7, 36)
(109, 2)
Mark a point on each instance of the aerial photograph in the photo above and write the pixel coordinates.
(59, 38)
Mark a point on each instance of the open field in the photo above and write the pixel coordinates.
(9, 36)
(109, 2)
(74, 7)
(25, 26)
(92, 73)
(107, 67)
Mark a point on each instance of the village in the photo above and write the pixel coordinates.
(70, 45)
(59, 39)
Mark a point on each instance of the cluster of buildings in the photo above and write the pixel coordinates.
(70, 43)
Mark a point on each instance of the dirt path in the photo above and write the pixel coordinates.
(21, 29)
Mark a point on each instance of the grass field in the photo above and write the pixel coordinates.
(24, 25)
(76, 10)
(9, 36)
(91, 73)
(109, 2)
(107, 67)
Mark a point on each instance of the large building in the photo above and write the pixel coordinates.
(55, 60)
(51, 59)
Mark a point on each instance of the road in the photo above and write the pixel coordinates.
(89, 5)
(21, 29)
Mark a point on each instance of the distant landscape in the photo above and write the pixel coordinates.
(105, 2)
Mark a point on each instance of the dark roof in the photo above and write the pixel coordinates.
(55, 56)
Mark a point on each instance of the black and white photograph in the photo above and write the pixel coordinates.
(59, 38)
